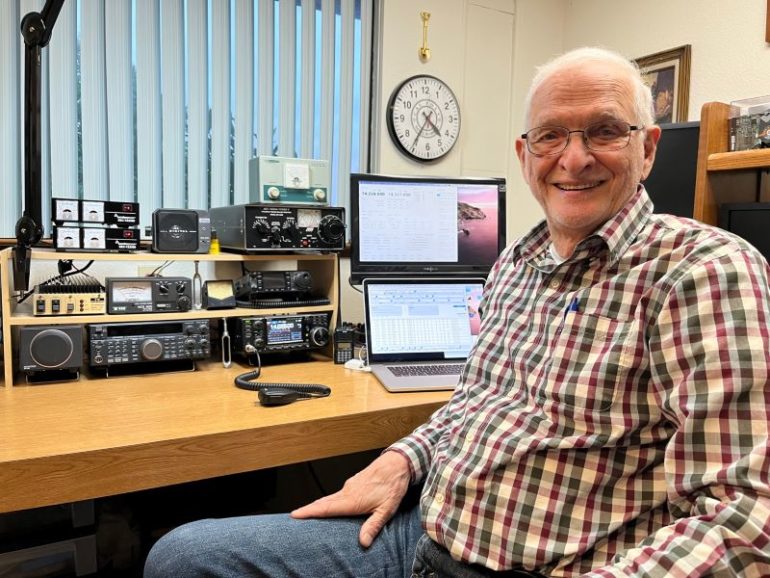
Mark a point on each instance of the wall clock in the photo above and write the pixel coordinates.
(423, 118)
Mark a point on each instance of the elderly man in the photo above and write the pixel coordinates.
(612, 419)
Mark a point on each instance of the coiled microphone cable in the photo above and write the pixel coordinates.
(272, 394)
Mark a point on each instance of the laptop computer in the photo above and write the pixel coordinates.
(419, 331)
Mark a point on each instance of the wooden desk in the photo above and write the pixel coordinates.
(99, 437)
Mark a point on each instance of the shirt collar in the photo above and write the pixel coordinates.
(615, 236)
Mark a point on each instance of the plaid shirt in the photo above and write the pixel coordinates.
(628, 437)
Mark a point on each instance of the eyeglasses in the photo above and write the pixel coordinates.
(607, 135)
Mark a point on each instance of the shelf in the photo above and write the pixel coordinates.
(736, 160)
(53, 255)
(323, 267)
(23, 319)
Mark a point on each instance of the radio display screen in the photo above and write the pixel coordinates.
(286, 330)
(271, 281)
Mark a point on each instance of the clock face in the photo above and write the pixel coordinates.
(423, 118)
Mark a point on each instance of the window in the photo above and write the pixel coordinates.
(165, 101)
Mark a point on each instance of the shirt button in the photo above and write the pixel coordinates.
(440, 499)
(554, 284)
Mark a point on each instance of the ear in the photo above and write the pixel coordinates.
(651, 138)
(521, 152)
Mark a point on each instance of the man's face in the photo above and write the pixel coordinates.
(580, 189)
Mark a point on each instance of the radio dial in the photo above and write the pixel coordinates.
(163, 288)
(319, 336)
(331, 229)
(151, 349)
(261, 227)
(183, 302)
(189, 343)
(290, 231)
(302, 280)
(275, 235)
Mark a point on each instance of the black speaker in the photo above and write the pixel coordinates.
(181, 231)
(50, 348)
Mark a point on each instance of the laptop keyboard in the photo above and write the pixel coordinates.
(418, 370)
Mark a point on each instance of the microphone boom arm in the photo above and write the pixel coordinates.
(36, 30)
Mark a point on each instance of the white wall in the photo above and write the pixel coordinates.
(730, 59)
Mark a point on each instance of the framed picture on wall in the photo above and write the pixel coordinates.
(668, 75)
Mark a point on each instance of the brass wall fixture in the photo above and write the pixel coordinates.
(424, 50)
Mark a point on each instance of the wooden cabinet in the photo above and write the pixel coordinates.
(723, 176)
(323, 268)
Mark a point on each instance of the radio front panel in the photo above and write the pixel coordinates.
(113, 344)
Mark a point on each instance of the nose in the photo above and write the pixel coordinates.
(577, 156)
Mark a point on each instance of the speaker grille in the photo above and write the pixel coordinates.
(48, 348)
(175, 230)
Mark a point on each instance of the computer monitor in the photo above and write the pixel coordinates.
(671, 182)
(425, 226)
(750, 221)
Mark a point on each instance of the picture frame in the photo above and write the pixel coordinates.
(668, 75)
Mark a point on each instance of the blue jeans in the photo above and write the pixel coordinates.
(278, 546)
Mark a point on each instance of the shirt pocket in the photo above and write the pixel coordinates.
(592, 359)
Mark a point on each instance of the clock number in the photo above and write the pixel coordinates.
(406, 132)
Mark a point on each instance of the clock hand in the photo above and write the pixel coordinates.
(430, 122)
(419, 132)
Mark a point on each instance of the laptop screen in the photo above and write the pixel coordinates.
(421, 319)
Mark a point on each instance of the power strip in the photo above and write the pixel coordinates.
(69, 304)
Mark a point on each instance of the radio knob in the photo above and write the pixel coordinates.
(151, 349)
(183, 302)
(319, 195)
(319, 336)
(181, 286)
(302, 280)
(275, 236)
(331, 229)
(290, 230)
(261, 227)
(273, 193)
(189, 343)
(163, 288)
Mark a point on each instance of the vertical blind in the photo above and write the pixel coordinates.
(165, 101)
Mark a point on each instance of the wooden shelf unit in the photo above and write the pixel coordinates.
(723, 176)
(323, 268)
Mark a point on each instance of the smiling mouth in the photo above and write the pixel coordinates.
(581, 187)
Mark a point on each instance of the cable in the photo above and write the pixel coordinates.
(272, 394)
(350, 282)
(66, 269)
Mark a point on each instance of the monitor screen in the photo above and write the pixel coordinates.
(671, 182)
(750, 221)
(425, 226)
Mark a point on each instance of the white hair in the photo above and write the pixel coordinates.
(642, 95)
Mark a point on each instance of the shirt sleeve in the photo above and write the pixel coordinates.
(710, 350)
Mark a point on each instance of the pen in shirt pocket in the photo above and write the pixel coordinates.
(574, 306)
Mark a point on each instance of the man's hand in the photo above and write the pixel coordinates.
(377, 490)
